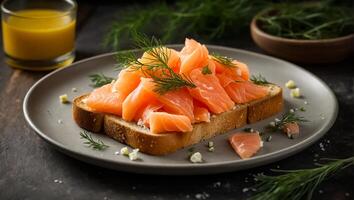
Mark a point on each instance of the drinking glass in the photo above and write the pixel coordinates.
(39, 34)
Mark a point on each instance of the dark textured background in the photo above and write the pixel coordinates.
(29, 166)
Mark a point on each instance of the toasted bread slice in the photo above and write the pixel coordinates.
(163, 143)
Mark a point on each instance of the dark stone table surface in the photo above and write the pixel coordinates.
(29, 167)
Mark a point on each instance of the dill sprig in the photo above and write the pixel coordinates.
(225, 61)
(296, 184)
(319, 20)
(156, 66)
(90, 142)
(206, 70)
(289, 117)
(100, 79)
(203, 19)
(259, 80)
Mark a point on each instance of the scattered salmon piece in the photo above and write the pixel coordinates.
(245, 144)
(104, 100)
(242, 91)
(178, 102)
(162, 122)
(292, 130)
(138, 99)
(210, 92)
(193, 55)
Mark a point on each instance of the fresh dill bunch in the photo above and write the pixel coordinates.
(259, 80)
(90, 142)
(225, 61)
(157, 63)
(314, 20)
(297, 184)
(289, 117)
(100, 79)
(203, 19)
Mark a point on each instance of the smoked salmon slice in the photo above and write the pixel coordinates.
(178, 102)
(210, 92)
(145, 115)
(162, 122)
(201, 114)
(138, 99)
(193, 55)
(246, 144)
(104, 100)
(174, 60)
(239, 69)
(245, 73)
(126, 82)
(240, 90)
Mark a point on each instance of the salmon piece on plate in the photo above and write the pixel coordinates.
(246, 144)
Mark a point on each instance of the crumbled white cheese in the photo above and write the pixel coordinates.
(295, 93)
(60, 121)
(277, 120)
(64, 98)
(73, 89)
(290, 84)
(116, 153)
(211, 149)
(140, 122)
(210, 144)
(272, 124)
(261, 143)
(305, 102)
(196, 157)
(134, 154)
(291, 110)
(124, 151)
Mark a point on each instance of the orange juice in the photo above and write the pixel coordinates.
(38, 34)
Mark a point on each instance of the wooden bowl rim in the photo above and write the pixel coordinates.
(260, 32)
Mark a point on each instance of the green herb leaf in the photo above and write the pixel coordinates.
(99, 80)
(259, 80)
(92, 143)
(296, 184)
(289, 117)
(225, 61)
(206, 70)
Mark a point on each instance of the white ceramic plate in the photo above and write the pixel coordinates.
(42, 110)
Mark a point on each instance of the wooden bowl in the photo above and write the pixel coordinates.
(303, 51)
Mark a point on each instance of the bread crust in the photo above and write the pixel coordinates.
(164, 143)
(85, 117)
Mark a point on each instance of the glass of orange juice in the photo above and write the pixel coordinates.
(39, 34)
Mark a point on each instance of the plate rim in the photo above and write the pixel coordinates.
(255, 161)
